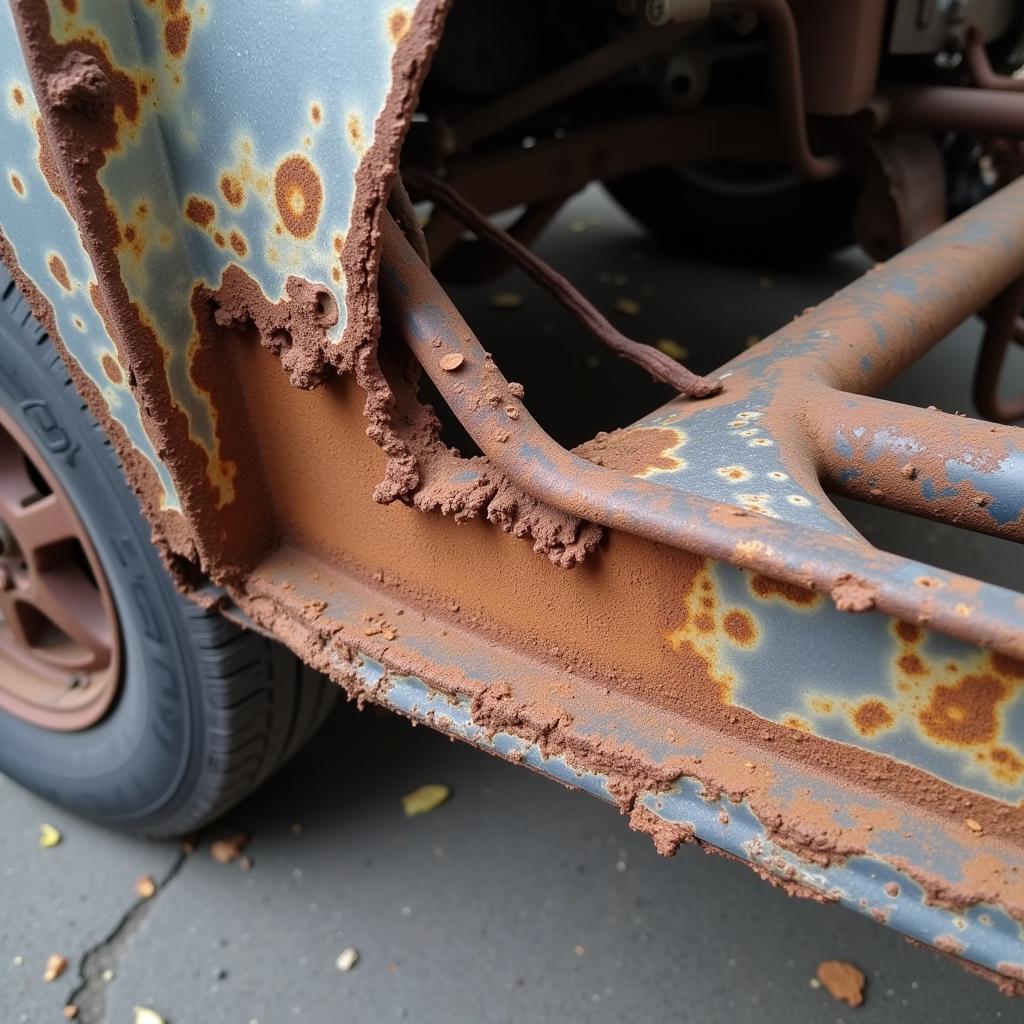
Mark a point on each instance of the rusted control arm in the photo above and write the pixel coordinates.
(480, 397)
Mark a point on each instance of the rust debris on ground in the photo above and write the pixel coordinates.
(842, 981)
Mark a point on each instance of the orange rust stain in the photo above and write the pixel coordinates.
(796, 722)
(821, 707)
(1006, 766)
(299, 195)
(355, 131)
(338, 241)
(704, 623)
(315, 113)
(142, 211)
(219, 239)
(176, 33)
(398, 25)
(71, 6)
(200, 211)
(18, 96)
(336, 274)
(60, 271)
(232, 190)
(908, 632)
(79, 323)
(966, 713)
(765, 587)
(872, 716)
(740, 627)
(238, 244)
(911, 664)
(111, 369)
(16, 184)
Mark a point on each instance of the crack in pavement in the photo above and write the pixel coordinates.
(90, 997)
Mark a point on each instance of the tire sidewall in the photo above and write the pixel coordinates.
(140, 760)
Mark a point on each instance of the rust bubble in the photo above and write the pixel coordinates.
(299, 195)
(911, 664)
(238, 244)
(60, 271)
(232, 190)
(16, 184)
(740, 627)
(200, 211)
(111, 368)
(176, 33)
(398, 25)
(908, 632)
(765, 587)
(872, 716)
(965, 714)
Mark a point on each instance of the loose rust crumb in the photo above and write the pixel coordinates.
(851, 594)
(909, 471)
(224, 851)
(451, 361)
(892, 889)
(843, 981)
(145, 887)
(245, 862)
(974, 826)
(516, 390)
(56, 965)
(70, 1011)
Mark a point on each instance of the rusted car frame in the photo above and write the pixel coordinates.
(728, 659)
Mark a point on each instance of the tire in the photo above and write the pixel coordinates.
(715, 214)
(204, 711)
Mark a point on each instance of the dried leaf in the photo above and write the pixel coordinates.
(843, 981)
(225, 850)
(144, 1015)
(672, 348)
(49, 836)
(347, 959)
(506, 300)
(145, 887)
(630, 307)
(424, 799)
(56, 965)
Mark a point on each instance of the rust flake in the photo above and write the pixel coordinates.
(58, 268)
(299, 195)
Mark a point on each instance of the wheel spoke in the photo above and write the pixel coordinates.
(44, 522)
(65, 597)
(14, 621)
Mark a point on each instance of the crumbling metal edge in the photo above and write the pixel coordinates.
(863, 884)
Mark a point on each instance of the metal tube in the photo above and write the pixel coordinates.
(937, 108)
(871, 330)
(479, 395)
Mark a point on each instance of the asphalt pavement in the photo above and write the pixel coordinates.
(516, 900)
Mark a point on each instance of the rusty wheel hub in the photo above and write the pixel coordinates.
(59, 638)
